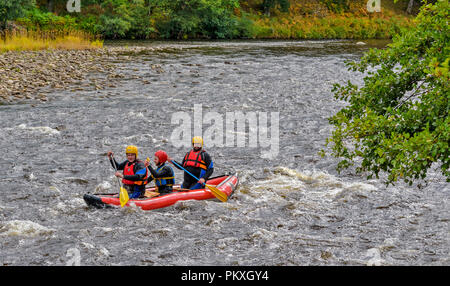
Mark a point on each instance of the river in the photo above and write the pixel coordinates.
(291, 206)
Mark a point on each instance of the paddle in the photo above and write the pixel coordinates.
(123, 194)
(216, 192)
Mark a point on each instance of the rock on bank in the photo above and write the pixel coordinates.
(28, 75)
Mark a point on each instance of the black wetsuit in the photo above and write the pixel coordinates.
(164, 178)
(134, 190)
(191, 183)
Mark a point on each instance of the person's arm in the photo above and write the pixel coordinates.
(210, 167)
(111, 158)
(122, 165)
(163, 173)
(113, 162)
(209, 172)
(152, 171)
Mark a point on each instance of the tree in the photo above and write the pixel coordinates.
(197, 18)
(50, 5)
(270, 4)
(398, 121)
(12, 9)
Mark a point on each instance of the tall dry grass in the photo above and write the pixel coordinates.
(20, 40)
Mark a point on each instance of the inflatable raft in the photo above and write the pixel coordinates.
(225, 183)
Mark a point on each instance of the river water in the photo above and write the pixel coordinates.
(291, 207)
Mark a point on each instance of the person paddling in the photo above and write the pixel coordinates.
(134, 172)
(198, 162)
(163, 175)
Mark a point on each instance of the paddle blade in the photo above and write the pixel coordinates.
(218, 193)
(123, 196)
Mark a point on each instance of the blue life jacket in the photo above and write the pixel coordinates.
(165, 182)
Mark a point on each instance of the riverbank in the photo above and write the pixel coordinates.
(24, 75)
(29, 75)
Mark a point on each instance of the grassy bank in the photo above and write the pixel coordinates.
(313, 19)
(203, 19)
(330, 27)
(19, 40)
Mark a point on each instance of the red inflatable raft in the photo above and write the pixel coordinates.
(226, 183)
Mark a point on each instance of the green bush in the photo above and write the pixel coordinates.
(90, 23)
(36, 19)
(218, 22)
(213, 19)
(246, 28)
(140, 26)
(13, 9)
(263, 32)
(113, 27)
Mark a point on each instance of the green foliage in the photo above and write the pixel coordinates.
(398, 122)
(210, 19)
(124, 19)
(13, 9)
(139, 19)
(197, 18)
(142, 19)
(246, 28)
(113, 27)
(36, 19)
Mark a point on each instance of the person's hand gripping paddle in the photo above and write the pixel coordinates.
(216, 192)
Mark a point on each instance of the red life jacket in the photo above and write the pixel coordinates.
(194, 159)
(128, 170)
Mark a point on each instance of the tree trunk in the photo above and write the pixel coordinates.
(50, 5)
(267, 5)
(410, 5)
(149, 7)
